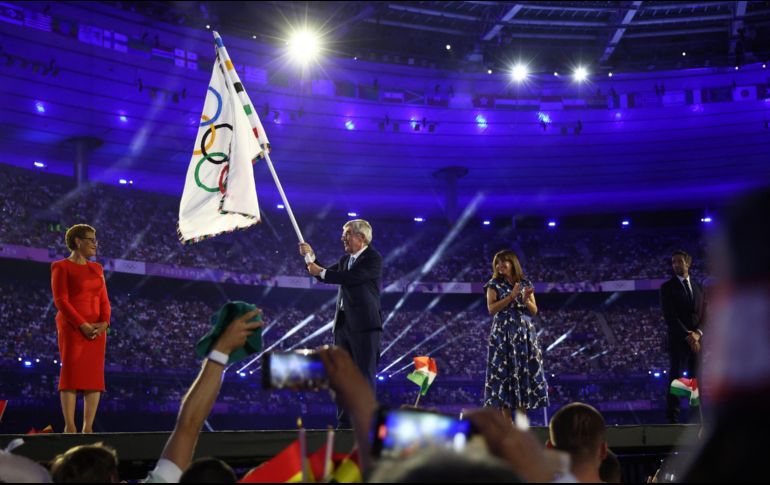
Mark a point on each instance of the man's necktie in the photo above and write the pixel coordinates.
(687, 289)
(350, 262)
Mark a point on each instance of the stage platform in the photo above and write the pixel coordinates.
(639, 447)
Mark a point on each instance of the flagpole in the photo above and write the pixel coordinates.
(416, 402)
(308, 257)
(328, 457)
(302, 449)
(259, 132)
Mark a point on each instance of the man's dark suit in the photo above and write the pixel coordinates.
(682, 316)
(358, 325)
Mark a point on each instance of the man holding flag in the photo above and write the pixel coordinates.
(358, 317)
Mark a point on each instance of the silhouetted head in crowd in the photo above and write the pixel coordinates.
(208, 470)
(578, 429)
(95, 463)
(609, 471)
(736, 362)
(445, 466)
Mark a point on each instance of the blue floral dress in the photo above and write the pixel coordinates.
(515, 377)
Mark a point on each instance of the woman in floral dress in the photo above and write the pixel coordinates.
(515, 377)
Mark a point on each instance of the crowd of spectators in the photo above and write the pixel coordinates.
(596, 356)
(37, 208)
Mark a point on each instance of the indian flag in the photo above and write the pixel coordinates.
(425, 371)
(686, 388)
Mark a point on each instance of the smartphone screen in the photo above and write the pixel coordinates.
(295, 369)
(400, 432)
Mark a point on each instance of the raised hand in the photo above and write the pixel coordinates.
(235, 335)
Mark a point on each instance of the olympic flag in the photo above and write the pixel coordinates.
(219, 192)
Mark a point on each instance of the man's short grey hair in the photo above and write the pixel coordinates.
(362, 227)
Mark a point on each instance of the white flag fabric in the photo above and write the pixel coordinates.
(219, 192)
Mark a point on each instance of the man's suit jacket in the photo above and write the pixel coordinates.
(359, 289)
(680, 314)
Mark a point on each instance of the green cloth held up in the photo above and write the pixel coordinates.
(220, 320)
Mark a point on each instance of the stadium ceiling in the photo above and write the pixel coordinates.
(625, 35)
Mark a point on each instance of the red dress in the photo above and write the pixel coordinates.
(80, 295)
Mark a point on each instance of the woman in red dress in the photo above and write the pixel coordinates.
(80, 295)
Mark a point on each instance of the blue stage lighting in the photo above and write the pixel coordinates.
(486, 223)
(40, 107)
(352, 214)
(625, 223)
(349, 125)
(419, 219)
(481, 121)
(543, 117)
(380, 378)
(280, 206)
(551, 223)
(123, 118)
(39, 164)
(706, 220)
(657, 375)
(122, 181)
(27, 363)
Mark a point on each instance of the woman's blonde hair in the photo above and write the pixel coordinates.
(510, 256)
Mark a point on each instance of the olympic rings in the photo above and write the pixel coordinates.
(219, 109)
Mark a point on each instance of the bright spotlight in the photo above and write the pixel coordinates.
(519, 72)
(489, 71)
(349, 125)
(352, 214)
(481, 122)
(304, 46)
(551, 223)
(580, 74)
(419, 219)
(449, 47)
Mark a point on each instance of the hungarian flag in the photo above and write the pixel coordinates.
(3, 405)
(425, 371)
(688, 388)
(219, 192)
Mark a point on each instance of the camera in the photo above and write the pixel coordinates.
(398, 433)
(300, 369)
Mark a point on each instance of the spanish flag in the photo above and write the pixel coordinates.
(285, 467)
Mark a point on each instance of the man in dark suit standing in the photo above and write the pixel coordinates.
(683, 309)
(358, 317)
